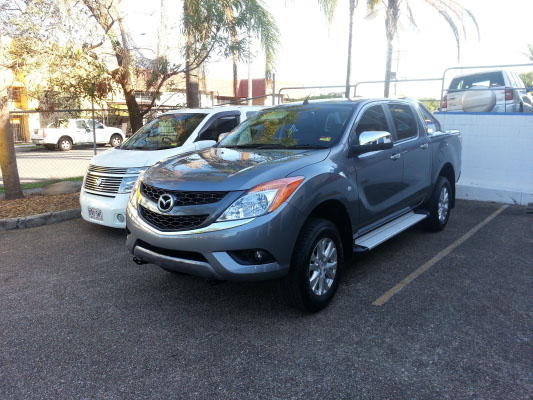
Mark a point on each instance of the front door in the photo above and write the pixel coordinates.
(379, 173)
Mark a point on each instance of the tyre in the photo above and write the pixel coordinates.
(439, 205)
(316, 266)
(116, 140)
(64, 144)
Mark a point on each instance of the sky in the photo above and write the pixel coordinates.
(314, 52)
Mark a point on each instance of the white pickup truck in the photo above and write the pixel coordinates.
(64, 133)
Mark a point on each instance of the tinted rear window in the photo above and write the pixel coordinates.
(489, 79)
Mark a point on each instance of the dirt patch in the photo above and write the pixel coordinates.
(31, 205)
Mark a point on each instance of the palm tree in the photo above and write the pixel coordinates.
(451, 10)
(329, 6)
(238, 22)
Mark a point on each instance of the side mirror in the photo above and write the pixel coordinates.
(222, 136)
(372, 141)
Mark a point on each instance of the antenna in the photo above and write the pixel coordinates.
(306, 101)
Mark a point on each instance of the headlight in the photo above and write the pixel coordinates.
(262, 199)
(128, 181)
(136, 192)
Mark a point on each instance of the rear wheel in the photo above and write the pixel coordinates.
(65, 144)
(316, 266)
(116, 140)
(439, 205)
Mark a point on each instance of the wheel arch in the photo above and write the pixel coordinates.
(336, 212)
(448, 172)
(65, 137)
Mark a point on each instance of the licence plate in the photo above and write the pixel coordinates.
(95, 213)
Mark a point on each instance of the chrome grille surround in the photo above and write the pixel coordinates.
(102, 184)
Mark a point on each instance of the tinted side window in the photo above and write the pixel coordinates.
(219, 126)
(432, 125)
(404, 121)
(373, 119)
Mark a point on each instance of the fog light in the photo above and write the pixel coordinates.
(121, 218)
(251, 257)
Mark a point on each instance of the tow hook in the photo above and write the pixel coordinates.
(138, 261)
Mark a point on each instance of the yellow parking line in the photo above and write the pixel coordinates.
(383, 299)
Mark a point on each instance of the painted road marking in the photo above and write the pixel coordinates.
(383, 299)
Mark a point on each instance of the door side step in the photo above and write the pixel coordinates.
(374, 238)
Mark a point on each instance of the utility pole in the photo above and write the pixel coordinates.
(94, 125)
(397, 59)
(274, 89)
(249, 72)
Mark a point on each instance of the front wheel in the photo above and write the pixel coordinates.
(316, 266)
(439, 205)
(116, 140)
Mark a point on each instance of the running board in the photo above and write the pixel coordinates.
(374, 238)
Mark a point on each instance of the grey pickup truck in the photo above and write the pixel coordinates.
(295, 191)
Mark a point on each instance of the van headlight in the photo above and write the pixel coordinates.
(128, 182)
(262, 199)
(135, 194)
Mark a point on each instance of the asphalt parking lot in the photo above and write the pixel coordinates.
(80, 320)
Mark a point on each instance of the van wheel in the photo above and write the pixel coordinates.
(64, 144)
(439, 205)
(316, 266)
(116, 140)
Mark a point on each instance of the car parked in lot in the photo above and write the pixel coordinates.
(63, 134)
(480, 92)
(293, 191)
(112, 174)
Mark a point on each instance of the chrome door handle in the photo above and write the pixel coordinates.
(395, 156)
(424, 146)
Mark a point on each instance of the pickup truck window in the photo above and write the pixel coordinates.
(432, 125)
(373, 119)
(81, 124)
(165, 132)
(299, 126)
(404, 121)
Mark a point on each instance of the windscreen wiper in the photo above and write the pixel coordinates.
(307, 146)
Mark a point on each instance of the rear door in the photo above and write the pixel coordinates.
(414, 144)
(379, 173)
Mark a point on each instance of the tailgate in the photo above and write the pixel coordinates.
(37, 134)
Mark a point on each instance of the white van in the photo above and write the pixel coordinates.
(112, 174)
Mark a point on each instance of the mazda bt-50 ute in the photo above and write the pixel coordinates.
(294, 191)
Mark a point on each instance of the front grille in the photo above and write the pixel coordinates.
(103, 184)
(169, 223)
(183, 198)
(107, 170)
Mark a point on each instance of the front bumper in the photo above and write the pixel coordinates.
(111, 208)
(204, 252)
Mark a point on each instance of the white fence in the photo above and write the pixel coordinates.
(497, 156)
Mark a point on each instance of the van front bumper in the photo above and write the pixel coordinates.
(206, 252)
(111, 208)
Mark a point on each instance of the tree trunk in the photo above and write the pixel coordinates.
(136, 119)
(8, 159)
(192, 86)
(350, 39)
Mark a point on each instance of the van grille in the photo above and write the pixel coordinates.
(183, 198)
(169, 223)
(103, 184)
(107, 170)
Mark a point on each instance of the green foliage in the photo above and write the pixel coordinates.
(527, 78)
(431, 104)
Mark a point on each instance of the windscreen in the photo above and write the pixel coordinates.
(299, 126)
(165, 132)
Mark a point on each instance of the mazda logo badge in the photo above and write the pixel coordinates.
(165, 202)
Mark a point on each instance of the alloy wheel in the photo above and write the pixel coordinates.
(322, 266)
(444, 204)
